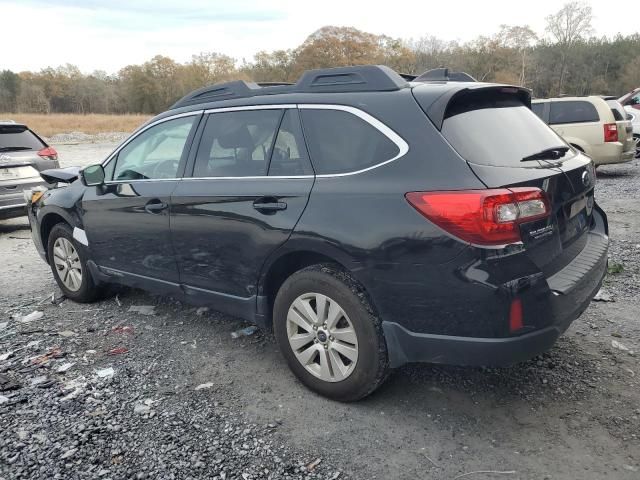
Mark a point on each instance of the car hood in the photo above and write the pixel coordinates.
(65, 175)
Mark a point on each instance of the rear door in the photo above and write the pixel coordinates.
(496, 155)
(250, 181)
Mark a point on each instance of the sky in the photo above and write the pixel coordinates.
(108, 35)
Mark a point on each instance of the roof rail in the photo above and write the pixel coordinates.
(443, 74)
(361, 78)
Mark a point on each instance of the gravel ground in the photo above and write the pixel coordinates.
(187, 400)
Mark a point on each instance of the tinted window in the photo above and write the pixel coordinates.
(20, 137)
(237, 144)
(341, 142)
(618, 110)
(155, 153)
(289, 156)
(572, 112)
(537, 108)
(499, 134)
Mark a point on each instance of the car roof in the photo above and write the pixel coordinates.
(4, 123)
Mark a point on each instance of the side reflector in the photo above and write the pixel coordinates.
(515, 316)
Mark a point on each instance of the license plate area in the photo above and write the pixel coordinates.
(16, 173)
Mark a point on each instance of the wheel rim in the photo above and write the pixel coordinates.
(322, 337)
(67, 263)
(636, 139)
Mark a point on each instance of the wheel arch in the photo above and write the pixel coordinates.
(286, 262)
(49, 220)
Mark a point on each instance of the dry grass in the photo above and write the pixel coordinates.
(47, 125)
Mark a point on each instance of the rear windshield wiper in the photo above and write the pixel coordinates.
(553, 153)
(9, 149)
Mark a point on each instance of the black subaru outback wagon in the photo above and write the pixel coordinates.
(369, 220)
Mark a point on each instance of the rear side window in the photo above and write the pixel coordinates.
(498, 132)
(18, 137)
(289, 157)
(341, 142)
(619, 113)
(572, 112)
(237, 144)
(538, 109)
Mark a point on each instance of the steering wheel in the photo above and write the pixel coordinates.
(166, 169)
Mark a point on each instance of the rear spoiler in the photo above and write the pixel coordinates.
(64, 175)
(470, 92)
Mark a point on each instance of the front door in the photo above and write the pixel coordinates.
(250, 184)
(127, 219)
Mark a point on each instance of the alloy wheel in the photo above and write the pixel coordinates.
(67, 263)
(322, 337)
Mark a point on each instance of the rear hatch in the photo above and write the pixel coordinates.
(506, 145)
(625, 127)
(22, 154)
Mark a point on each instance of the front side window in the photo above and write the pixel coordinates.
(341, 142)
(538, 109)
(237, 144)
(155, 153)
(572, 112)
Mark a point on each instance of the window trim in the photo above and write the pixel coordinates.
(403, 146)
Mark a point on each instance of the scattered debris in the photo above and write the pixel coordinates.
(630, 468)
(64, 367)
(35, 315)
(38, 380)
(5, 356)
(57, 300)
(311, 467)
(143, 309)
(67, 333)
(3, 399)
(3, 325)
(615, 268)
(68, 453)
(244, 332)
(42, 359)
(603, 296)
(492, 472)
(105, 372)
(128, 329)
(7, 384)
(620, 346)
(204, 385)
(117, 299)
(201, 311)
(117, 351)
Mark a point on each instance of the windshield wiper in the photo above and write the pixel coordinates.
(9, 149)
(553, 153)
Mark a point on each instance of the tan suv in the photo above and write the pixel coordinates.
(590, 125)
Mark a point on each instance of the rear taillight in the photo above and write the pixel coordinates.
(482, 217)
(610, 132)
(48, 153)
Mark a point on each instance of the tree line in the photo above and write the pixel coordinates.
(567, 58)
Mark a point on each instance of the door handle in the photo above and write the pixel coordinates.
(155, 206)
(269, 204)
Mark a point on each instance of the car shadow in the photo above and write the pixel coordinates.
(13, 225)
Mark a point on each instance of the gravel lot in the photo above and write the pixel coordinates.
(186, 400)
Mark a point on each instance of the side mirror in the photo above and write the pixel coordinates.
(92, 175)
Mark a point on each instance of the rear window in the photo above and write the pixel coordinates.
(577, 111)
(341, 142)
(18, 137)
(498, 132)
(618, 111)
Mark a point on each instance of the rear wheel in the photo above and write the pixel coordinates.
(329, 335)
(69, 265)
(636, 139)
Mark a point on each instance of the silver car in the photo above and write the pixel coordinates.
(23, 155)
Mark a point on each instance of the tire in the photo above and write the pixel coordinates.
(78, 286)
(636, 139)
(328, 350)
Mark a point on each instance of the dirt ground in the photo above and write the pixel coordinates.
(573, 413)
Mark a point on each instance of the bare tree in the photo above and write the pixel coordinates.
(566, 27)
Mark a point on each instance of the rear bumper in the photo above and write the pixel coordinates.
(566, 296)
(12, 201)
(610, 153)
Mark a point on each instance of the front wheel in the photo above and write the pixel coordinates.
(329, 334)
(69, 265)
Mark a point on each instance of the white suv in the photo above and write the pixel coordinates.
(591, 125)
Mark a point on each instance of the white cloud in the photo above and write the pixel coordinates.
(95, 37)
